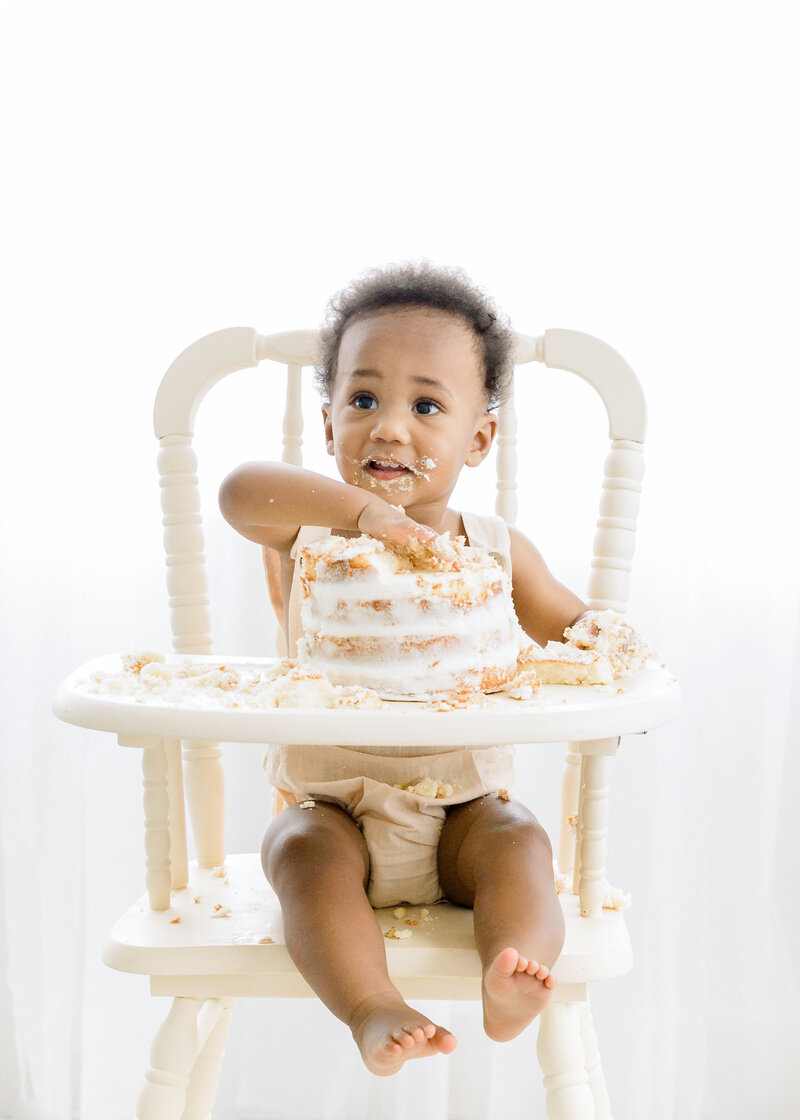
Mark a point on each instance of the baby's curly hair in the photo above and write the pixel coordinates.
(421, 284)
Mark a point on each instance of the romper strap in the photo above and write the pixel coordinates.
(491, 533)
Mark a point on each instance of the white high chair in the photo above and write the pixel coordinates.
(170, 933)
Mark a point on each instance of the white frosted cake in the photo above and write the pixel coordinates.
(408, 625)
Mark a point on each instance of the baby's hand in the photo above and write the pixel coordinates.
(389, 523)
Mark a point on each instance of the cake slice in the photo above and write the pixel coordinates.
(560, 663)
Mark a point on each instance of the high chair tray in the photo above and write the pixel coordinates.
(631, 705)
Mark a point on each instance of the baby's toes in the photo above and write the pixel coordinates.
(409, 1036)
(443, 1041)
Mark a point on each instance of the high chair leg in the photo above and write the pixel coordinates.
(214, 1020)
(594, 1070)
(172, 1056)
(562, 1058)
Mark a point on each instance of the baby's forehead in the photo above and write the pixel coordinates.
(422, 340)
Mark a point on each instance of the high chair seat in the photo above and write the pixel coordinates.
(222, 935)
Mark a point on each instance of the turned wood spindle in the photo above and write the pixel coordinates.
(506, 502)
(570, 788)
(615, 538)
(293, 417)
(561, 1056)
(187, 583)
(172, 1055)
(158, 874)
(592, 1065)
(590, 858)
(213, 1025)
(177, 815)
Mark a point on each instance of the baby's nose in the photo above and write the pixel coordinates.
(391, 427)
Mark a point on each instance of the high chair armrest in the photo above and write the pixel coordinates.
(209, 359)
(608, 372)
(195, 371)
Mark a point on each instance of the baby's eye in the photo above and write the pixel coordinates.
(364, 401)
(426, 408)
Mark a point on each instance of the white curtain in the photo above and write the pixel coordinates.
(623, 170)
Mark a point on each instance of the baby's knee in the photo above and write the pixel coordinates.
(516, 832)
(304, 842)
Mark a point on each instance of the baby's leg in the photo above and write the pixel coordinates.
(495, 857)
(317, 863)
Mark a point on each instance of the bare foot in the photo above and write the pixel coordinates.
(515, 990)
(390, 1034)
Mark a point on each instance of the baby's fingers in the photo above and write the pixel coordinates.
(405, 531)
(388, 523)
(421, 532)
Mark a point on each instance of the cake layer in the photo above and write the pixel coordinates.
(559, 663)
(418, 607)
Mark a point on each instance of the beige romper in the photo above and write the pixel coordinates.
(401, 829)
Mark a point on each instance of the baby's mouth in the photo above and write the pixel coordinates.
(386, 469)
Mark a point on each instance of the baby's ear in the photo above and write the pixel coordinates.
(482, 440)
(326, 417)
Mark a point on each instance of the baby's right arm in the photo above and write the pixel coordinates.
(268, 502)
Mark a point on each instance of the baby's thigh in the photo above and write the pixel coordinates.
(322, 838)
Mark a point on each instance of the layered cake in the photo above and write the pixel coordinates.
(410, 623)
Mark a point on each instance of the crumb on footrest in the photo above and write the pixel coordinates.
(395, 934)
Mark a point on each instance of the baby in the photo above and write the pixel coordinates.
(414, 361)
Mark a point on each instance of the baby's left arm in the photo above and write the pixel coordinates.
(545, 607)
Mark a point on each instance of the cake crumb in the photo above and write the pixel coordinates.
(395, 934)
(400, 912)
(266, 941)
(615, 899)
(221, 911)
(561, 882)
(504, 795)
(174, 921)
(430, 788)
(524, 685)
(307, 804)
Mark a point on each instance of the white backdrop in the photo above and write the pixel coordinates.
(623, 169)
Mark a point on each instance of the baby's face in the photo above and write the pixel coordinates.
(408, 407)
